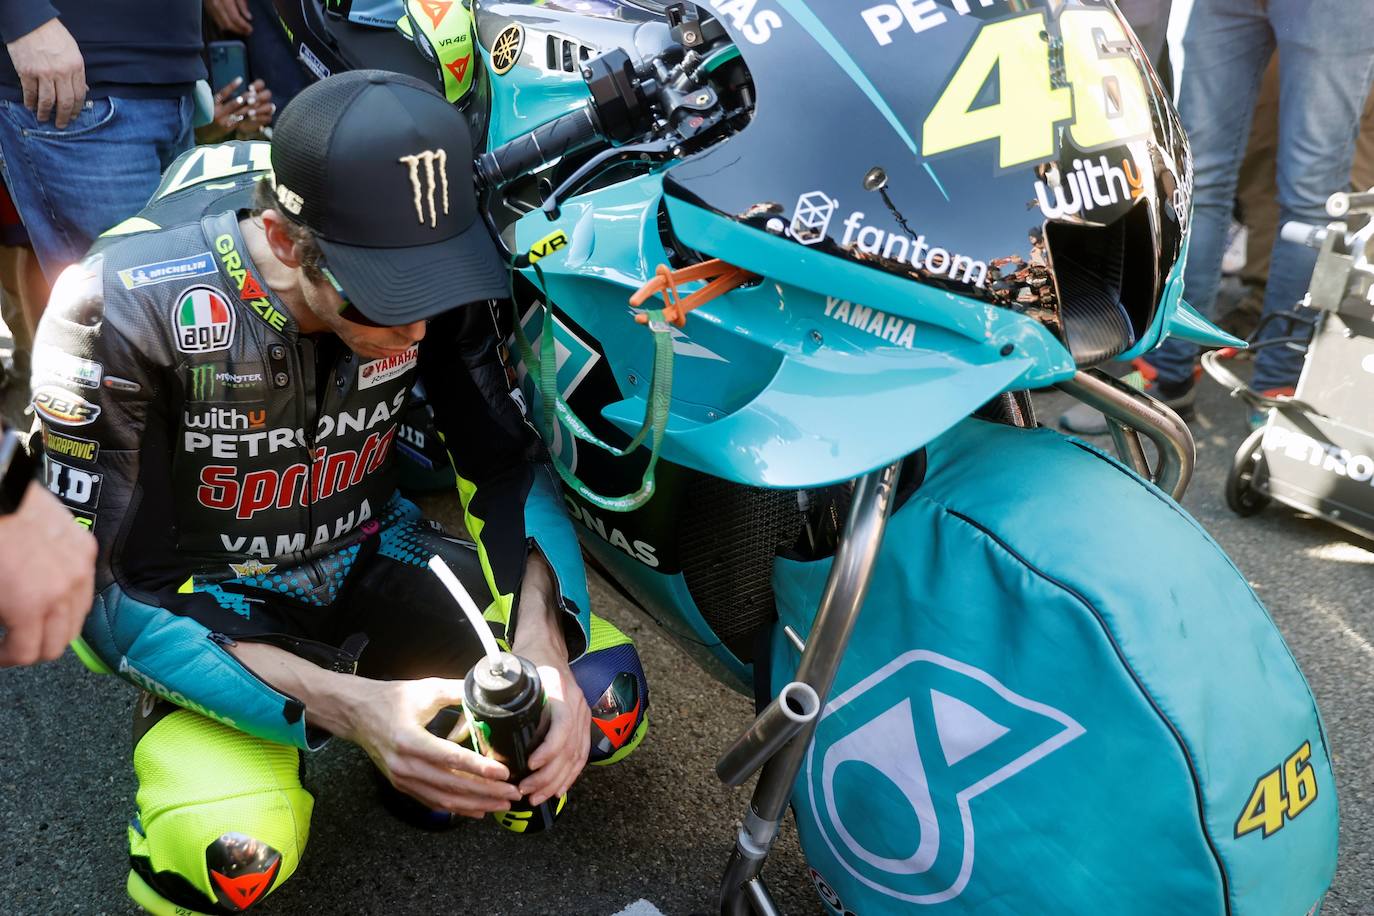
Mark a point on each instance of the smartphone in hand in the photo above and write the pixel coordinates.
(228, 61)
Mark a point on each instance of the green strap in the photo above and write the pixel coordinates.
(556, 409)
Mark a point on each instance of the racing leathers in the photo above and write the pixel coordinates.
(222, 459)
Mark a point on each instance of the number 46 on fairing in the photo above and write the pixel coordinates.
(1105, 98)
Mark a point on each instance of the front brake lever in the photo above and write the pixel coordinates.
(652, 151)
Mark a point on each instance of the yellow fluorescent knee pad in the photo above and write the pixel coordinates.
(199, 780)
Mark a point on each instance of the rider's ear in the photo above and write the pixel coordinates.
(279, 238)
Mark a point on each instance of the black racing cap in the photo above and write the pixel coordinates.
(379, 166)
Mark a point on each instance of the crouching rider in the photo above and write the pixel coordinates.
(219, 385)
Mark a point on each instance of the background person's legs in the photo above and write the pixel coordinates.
(71, 185)
(1326, 63)
(1226, 47)
(1259, 210)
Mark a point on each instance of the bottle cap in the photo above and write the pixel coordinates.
(501, 678)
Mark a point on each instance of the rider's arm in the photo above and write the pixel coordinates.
(509, 496)
(91, 432)
(387, 718)
(103, 379)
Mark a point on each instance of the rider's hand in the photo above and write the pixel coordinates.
(389, 723)
(51, 70)
(231, 16)
(47, 565)
(561, 756)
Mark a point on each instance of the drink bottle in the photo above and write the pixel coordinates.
(505, 700)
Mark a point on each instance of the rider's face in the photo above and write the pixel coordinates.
(328, 305)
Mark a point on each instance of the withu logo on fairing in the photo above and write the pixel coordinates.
(898, 758)
(1087, 186)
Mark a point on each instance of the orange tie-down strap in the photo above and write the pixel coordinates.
(720, 278)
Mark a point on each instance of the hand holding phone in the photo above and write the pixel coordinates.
(228, 62)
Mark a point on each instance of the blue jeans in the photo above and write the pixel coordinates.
(71, 185)
(1326, 63)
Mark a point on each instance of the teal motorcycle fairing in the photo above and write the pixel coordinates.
(1019, 728)
(778, 385)
(1033, 716)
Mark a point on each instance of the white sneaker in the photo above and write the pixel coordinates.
(1237, 237)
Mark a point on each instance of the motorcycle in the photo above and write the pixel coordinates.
(1060, 692)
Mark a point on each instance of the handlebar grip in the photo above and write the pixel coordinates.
(1341, 203)
(539, 147)
(1304, 234)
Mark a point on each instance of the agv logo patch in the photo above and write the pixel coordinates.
(203, 321)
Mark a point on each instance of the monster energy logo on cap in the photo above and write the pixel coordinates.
(203, 321)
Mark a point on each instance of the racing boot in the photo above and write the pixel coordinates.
(612, 680)
(222, 817)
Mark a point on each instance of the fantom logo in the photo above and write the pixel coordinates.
(424, 185)
(811, 219)
(898, 760)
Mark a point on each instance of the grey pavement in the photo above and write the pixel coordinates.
(656, 828)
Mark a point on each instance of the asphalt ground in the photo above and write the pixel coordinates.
(657, 827)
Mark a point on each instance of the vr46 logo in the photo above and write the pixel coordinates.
(546, 246)
(1282, 793)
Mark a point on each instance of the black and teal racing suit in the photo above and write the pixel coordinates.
(240, 477)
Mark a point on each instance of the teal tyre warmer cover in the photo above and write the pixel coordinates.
(1061, 698)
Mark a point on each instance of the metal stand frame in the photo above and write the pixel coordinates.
(742, 889)
(1129, 413)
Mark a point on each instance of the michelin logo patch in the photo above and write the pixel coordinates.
(197, 265)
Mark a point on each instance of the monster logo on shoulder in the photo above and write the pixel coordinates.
(203, 321)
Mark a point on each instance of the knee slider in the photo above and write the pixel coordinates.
(223, 818)
(612, 679)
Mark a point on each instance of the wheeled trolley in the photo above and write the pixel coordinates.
(1315, 452)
